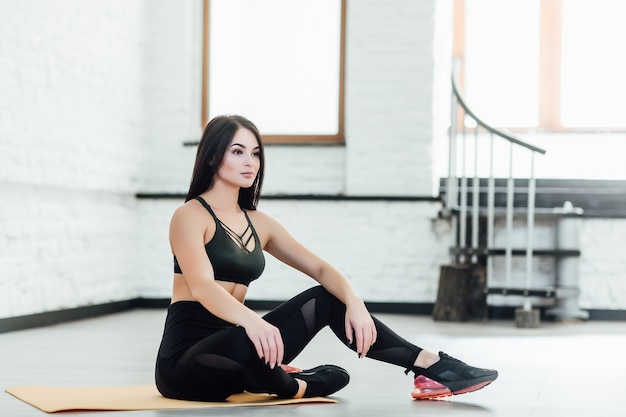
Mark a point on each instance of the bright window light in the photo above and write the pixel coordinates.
(502, 61)
(276, 62)
(593, 63)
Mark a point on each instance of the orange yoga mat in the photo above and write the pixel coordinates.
(137, 397)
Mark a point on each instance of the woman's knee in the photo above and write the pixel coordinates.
(315, 292)
(323, 300)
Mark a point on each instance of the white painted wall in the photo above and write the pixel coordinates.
(97, 98)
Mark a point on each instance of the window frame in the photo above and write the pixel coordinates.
(337, 138)
(549, 85)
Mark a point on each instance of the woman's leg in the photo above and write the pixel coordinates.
(226, 362)
(302, 317)
(220, 365)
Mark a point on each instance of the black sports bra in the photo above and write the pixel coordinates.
(231, 261)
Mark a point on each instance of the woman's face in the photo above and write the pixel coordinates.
(241, 161)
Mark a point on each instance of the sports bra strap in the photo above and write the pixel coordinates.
(227, 229)
(206, 206)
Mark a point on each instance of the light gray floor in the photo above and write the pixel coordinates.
(575, 369)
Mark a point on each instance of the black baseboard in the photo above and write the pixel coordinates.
(420, 309)
(63, 316)
(607, 315)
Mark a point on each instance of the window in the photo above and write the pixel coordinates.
(278, 62)
(552, 65)
(593, 63)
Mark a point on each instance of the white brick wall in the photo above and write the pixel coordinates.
(391, 251)
(389, 97)
(71, 132)
(71, 104)
(63, 248)
(172, 90)
(602, 264)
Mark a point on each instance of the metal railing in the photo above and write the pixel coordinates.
(457, 188)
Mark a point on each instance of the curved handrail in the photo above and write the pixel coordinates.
(493, 130)
(459, 101)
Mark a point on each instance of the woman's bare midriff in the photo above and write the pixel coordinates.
(181, 291)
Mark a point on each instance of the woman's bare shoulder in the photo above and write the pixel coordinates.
(189, 208)
(260, 218)
(189, 214)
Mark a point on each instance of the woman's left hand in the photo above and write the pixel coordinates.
(360, 326)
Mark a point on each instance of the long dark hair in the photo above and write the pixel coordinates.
(218, 134)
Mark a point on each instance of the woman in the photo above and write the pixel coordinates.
(214, 346)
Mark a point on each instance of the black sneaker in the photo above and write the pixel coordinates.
(323, 380)
(449, 376)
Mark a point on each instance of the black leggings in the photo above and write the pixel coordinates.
(226, 362)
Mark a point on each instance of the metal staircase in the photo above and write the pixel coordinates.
(480, 204)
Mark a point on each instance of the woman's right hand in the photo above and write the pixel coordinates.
(267, 341)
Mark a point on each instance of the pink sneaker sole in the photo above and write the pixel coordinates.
(427, 389)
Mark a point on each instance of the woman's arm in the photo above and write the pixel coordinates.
(280, 244)
(187, 238)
